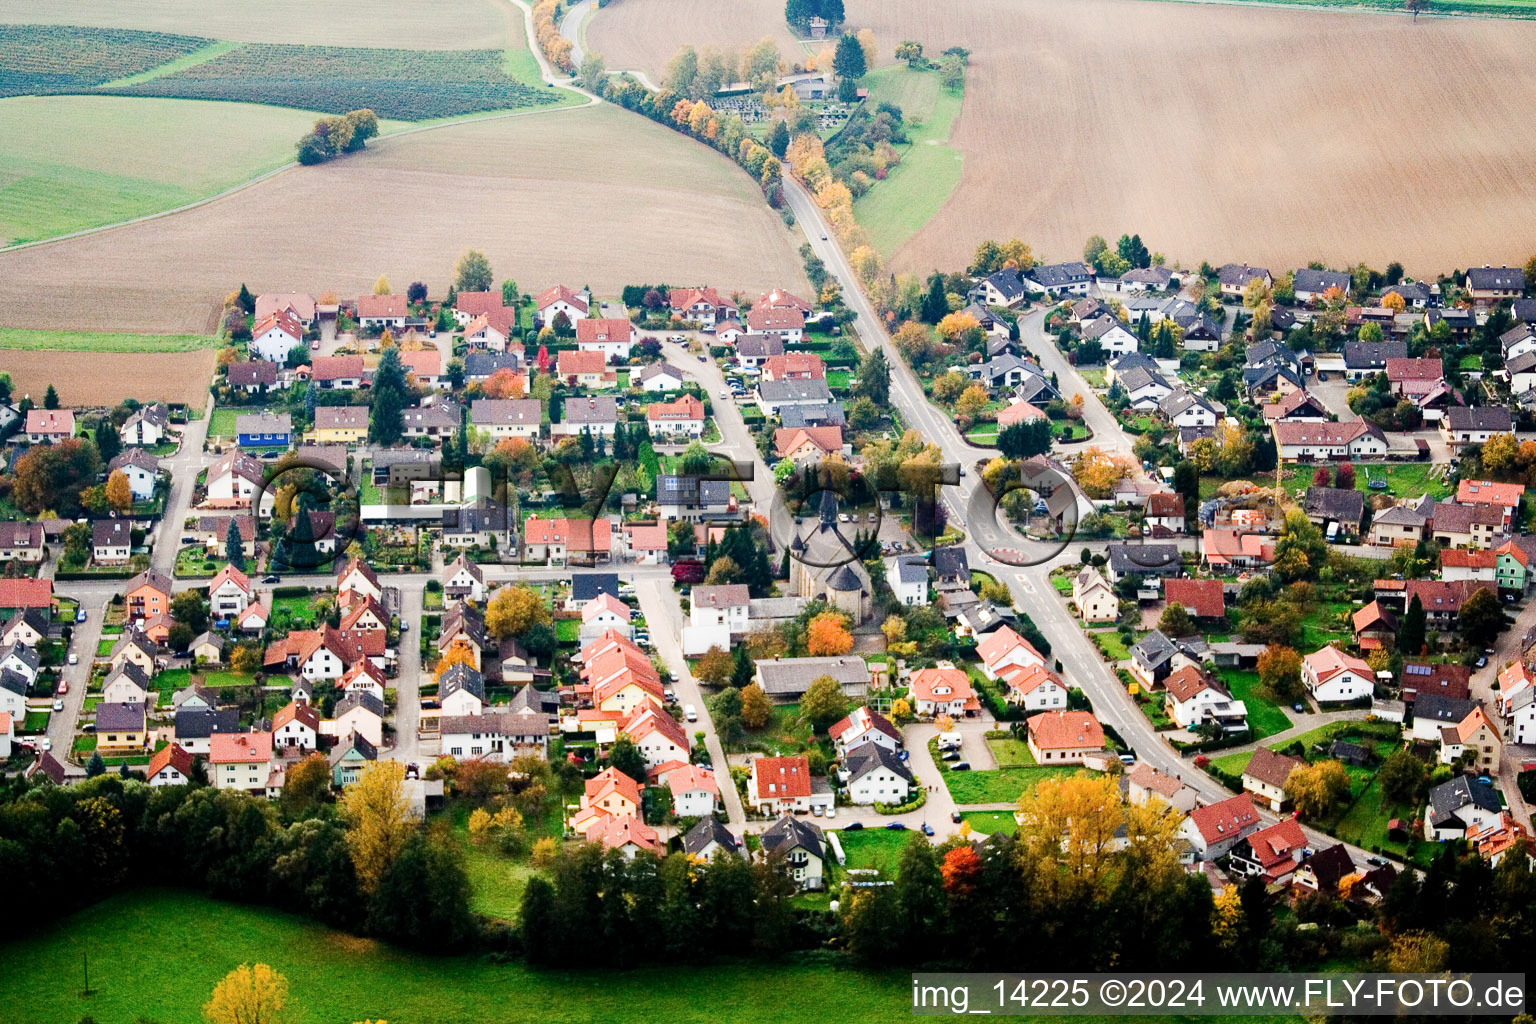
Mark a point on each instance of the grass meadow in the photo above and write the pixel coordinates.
(897, 208)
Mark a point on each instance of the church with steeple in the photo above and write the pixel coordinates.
(825, 564)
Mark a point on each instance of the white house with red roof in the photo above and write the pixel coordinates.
(313, 653)
(788, 325)
(468, 305)
(560, 299)
(1194, 698)
(1332, 676)
(1003, 648)
(802, 445)
(1213, 830)
(298, 305)
(943, 691)
(627, 834)
(864, 726)
(1064, 737)
(694, 790)
(376, 312)
(1034, 688)
(657, 734)
(229, 593)
(1271, 853)
(240, 760)
(609, 793)
(363, 677)
(612, 337)
(605, 613)
(49, 425)
(644, 543)
(234, 481)
(296, 725)
(783, 785)
(274, 335)
(357, 581)
(1505, 497)
(556, 540)
(794, 366)
(171, 765)
(703, 305)
(683, 417)
(492, 332)
(585, 369)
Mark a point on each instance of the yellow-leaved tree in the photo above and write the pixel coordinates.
(514, 610)
(119, 493)
(249, 995)
(378, 821)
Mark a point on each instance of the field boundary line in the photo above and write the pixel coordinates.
(274, 172)
(1353, 8)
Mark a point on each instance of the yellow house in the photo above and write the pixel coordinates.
(609, 793)
(625, 694)
(134, 648)
(120, 728)
(1094, 598)
(1473, 735)
(340, 424)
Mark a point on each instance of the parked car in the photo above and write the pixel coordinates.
(950, 755)
(74, 659)
(960, 766)
(1322, 375)
(80, 615)
(816, 810)
(45, 744)
(63, 686)
(896, 826)
(271, 578)
(58, 705)
(954, 816)
(670, 696)
(831, 812)
(1299, 708)
(853, 826)
(927, 829)
(691, 713)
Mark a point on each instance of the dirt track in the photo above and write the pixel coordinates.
(1216, 132)
(592, 196)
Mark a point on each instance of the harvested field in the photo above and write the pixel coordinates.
(431, 25)
(644, 34)
(73, 162)
(658, 206)
(104, 378)
(1217, 132)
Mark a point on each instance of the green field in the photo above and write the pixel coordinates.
(876, 848)
(82, 341)
(337, 977)
(38, 59)
(411, 85)
(895, 209)
(1000, 785)
(222, 422)
(76, 162)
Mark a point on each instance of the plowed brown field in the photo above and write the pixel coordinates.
(106, 378)
(593, 196)
(1216, 132)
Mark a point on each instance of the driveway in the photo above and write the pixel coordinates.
(664, 615)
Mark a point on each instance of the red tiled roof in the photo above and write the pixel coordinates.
(1000, 642)
(239, 747)
(619, 830)
(686, 408)
(1163, 503)
(382, 305)
(475, 303)
(1455, 558)
(942, 685)
(1224, 820)
(1483, 492)
(1333, 434)
(1186, 683)
(590, 330)
(794, 364)
(560, 293)
(230, 574)
(336, 367)
(50, 421)
(761, 320)
(576, 534)
(611, 780)
(423, 362)
(1201, 598)
(780, 298)
(790, 439)
(572, 362)
(26, 593)
(781, 778)
(1019, 412)
(171, 755)
(1271, 767)
(301, 713)
(1414, 369)
(1275, 847)
(1330, 661)
(1066, 730)
(283, 320)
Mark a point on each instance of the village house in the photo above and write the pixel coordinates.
(498, 737)
(873, 774)
(128, 683)
(1463, 804)
(1401, 525)
(1462, 426)
(147, 426)
(1488, 286)
(586, 415)
(1202, 599)
(908, 578)
(1332, 676)
(21, 542)
(169, 766)
(273, 336)
(701, 305)
(296, 726)
(1478, 527)
(1272, 853)
(341, 424)
(1233, 279)
(234, 480)
(657, 377)
(794, 366)
(658, 736)
(1094, 598)
(559, 301)
(783, 785)
(120, 728)
(555, 541)
(695, 794)
(1194, 698)
(1295, 407)
(1058, 279)
(1035, 688)
(111, 541)
(341, 373)
(863, 726)
(377, 312)
(1505, 497)
(509, 417)
(1307, 441)
(229, 593)
(1215, 829)
(683, 417)
(1475, 738)
(141, 469)
(1265, 776)
(1145, 784)
(613, 339)
(437, 420)
(943, 691)
(240, 761)
(1064, 737)
(799, 846)
(463, 580)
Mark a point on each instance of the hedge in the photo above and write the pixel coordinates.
(910, 805)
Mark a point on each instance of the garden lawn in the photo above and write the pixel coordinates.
(1404, 479)
(876, 848)
(1011, 753)
(984, 434)
(300, 611)
(333, 976)
(104, 648)
(991, 822)
(1000, 785)
(1364, 824)
(568, 631)
(1234, 763)
(1110, 643)
(227, 679)
(895, 209)
(20, 339)
(222, 422)
(1264, 717)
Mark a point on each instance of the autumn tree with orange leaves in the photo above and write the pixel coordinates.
(827, 635)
